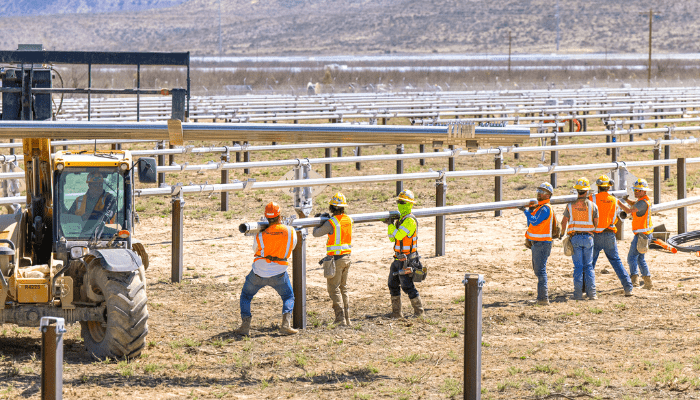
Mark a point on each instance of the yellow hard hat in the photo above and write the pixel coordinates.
(582, 184)
(95, 176)
(338, 200)
(641, 184)
(407, 196)
(604, 181)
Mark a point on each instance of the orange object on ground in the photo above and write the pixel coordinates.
(667, 246)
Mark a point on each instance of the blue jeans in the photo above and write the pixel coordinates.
(254, 283)
(606, 241)
(540, 253)
(634, 259)
(401, 282)
(583, 265)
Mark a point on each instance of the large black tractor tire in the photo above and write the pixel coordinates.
(124, 335)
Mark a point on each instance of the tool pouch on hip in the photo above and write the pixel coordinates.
(568, 247)
(528, 243)
(328, 264)
(642, 243)
(420, 272)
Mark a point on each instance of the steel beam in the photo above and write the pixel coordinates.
(440, 226)
(299, 280)
(681, 184)
(473, 284)
(52, 358)
(177, 238)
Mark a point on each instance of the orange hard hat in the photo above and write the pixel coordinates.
(272, 210)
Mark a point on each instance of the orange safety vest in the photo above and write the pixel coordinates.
(541, 232)
(581, 217)
(643, 224)
(276, 243)
(99, 206)
(340, 241)
(409, 244)
(607, 211)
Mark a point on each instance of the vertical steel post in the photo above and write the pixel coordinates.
(608, 139)
(421, 148)
(584, 122)
(358, 152)
(473, 283)
(225, 157)
(12, 149)
(667, 154)
(177, 110)
(299, 280)
(440, 201)
(246, 158)
(177, 224)
(138, 92)
(498, 188)
(161, 162)
(399, 169)
(516, 155)
(657, 176)
(681, 183)
(238, 153)
(340, 151)
(554, 160)
(52, 358)
(451, 160)
(329, 167)
(89, 87)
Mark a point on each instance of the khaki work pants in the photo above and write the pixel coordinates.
(337, 284)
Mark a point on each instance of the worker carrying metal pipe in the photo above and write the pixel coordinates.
(406, 266)
(583, 215)
(538, 238)
(642, 229)
(604, 235)
(336, 264)
(272, 248)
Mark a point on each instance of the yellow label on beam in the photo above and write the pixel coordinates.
(175, 132)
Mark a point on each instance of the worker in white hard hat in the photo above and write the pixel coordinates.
(338, 227)
(96, 202)
(404, 234)
(581, 218)
(540, 224)
(642, 229)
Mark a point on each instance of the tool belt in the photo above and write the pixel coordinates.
(582, 233)
(273, 258)
(411, 266)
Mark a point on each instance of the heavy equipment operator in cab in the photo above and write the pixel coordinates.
(96, 201)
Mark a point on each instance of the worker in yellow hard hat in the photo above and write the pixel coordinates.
(96, 201)
(642, 229)
(539, 235)
(338, 227)
(404, 234)
(604, 236)
(273, 247)
(581, 218)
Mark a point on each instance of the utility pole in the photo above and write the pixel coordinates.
(510, 47)
(651, 18)
(220, 46)
(558, 20)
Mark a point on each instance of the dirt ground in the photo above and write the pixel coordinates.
(641, 347)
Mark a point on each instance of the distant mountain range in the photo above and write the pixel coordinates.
(265, 27)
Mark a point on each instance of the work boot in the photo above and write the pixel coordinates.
(347, 317)
(396, 307)
(544, 302)
(244, 329)
(635, 279)
(286, 327)
(593, 296)
(339, 316)
(417, 306)
(628, 293)
(647, 282)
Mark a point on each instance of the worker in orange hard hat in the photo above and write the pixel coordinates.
(338, 227)
(96, 201)
(604, 235)
(581, 217)
(642, 229)
(272, 248)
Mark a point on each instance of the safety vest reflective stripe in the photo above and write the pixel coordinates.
(543, 230)
(642, 224)
(409, 244)
(577, 223)
(607, 211)
(290, 239)
(339, 240)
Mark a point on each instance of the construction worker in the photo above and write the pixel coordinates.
(604, 236)
(642, 229)
(272, 248)
(540, 221)
(583, 215)
(404, 234)
(96, 201)
(338, 227)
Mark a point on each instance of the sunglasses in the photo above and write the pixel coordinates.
(401, 202)
(542, 191)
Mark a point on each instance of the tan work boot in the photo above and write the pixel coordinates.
(647, 282)
(339, 316)
(628, 293)
(286, 327)
(417, 306)
(635, 279)
(244, 329)
(544, 302)
(396, 307)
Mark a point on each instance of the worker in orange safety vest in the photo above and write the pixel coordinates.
(96, 201)
(338, 227)
(540, 223)
(642, 229)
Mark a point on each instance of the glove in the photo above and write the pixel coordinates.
(521, 208)
(326, 215)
